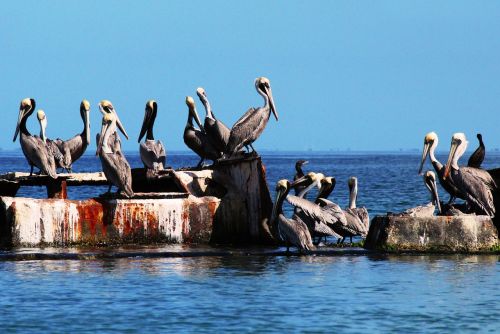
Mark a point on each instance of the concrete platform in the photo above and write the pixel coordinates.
(432, 234)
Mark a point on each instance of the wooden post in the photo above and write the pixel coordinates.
(57, 189)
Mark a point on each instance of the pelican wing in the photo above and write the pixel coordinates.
(152, 154)
(329, 214)
(354, 223)
(295, 232)
(478, 186)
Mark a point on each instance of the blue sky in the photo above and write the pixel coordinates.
(360, 75)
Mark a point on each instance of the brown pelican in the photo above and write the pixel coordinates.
(197, 140)
(299, 173)
(33, 147)
(430, 143)
(55, 156)
(73, 148)
(428, 209)
(152, 153)
(477, 158)
(217, 132)
(476, 184)
(362, 212)
(250, 126)
(114, 165)
(293, 231)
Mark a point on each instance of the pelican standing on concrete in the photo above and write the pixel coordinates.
(54, 154)
(197, 140)
(251, 125)
(217, 132)
(33, 147)
(478, 186)
(477, 158)
(293, 231)
(431, 141)
(428, 209)
(73, 148)
(152, 152)
(114, 165)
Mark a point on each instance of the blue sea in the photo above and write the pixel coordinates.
(344, 294)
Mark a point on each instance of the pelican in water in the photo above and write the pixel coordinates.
(152, 152)
(477, 158)
(217, 132)
(114, 165)
(299, 173)
(33, 147)
(197, 140)
(361, 213)
(428, 209)
(251, 125)
(478, 185)
(55, 156)
(73, 148)
(293, 230)
(430, 143)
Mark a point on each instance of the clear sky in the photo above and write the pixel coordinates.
(360, 75)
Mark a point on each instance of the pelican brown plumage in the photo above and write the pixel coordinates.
(251, 125)
(152, 152)
(293, 230)
(55, 156)
(478, 185)
(216, 130)
(114, 164)
(33, 147)
(431, 141)
(197, 140)
(361, 212)
(75, 147)
(477, 158)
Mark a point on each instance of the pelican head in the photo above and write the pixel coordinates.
(327, 185)
(430, 140)
(430, 183)
(42, 119)
(149, 119)
(108, 127)
(458, 146)
(25, 110)
(310, 180)
(282, 189)
(192, 112)
(263, 86)
(201, 93)
(85, 113)
(105, 107)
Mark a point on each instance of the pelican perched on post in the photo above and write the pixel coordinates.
(217, 132)
(430, 143)
(73, 148)
(477, 158)
(114, 165)
(299, 173)
(152, 152)
(33, 147)
(293, 231)
(477, 185)
(362, 212)
(428, 209)
(197, 140)
(54, 154)
(251, 125)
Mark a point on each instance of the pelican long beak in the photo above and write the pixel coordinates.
(197, 119)
(120, 126)
(145, 123)
(43, 126)
(300, 181)
(425, 152)
(20, 117)
(104, 129)
(451, 156)
(275, 205)
(269, 94)
(87, 126)
(435, 195)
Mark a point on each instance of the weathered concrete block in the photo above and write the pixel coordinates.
(59, 222)
(432, 234)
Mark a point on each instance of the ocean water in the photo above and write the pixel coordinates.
(351, 294)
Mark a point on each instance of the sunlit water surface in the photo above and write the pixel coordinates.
(258, 293)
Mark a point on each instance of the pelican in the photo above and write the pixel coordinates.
(152, 153)
(114, 165)
(477, 158)
(217, 132)
(55, 156)
(299, 173)
(428, 209)
(73, 148)
(33, 147)
(476, 184)
(362, 212)
(293, 231)
(251, 125)
(197, 140)
(430, 143)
